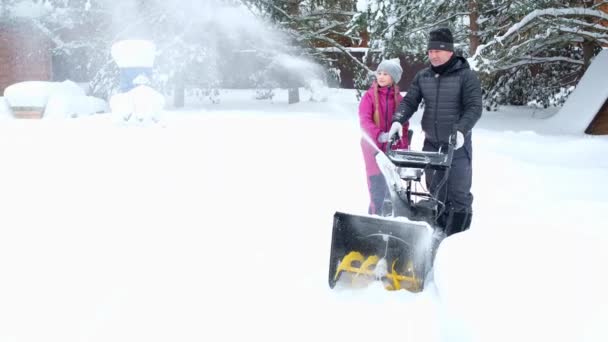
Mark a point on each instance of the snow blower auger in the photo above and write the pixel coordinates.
(397, 249)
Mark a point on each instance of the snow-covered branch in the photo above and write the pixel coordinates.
(425, 27)
(600, 37)
(599, 3)
(316, 14)
(344, 50)
(585, 24)
(524, 60)
(323, 30)
(52, 36)
(534, 16)
(541, 43)
(555, 12)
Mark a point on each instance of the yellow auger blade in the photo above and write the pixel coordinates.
(347, 263)
(397, 279)
(367, 267)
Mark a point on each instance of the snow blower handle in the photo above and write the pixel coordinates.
(392, 141)
(452, 139)
(439, 160)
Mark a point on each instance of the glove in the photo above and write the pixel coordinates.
(459, 139)
(396, 128)
(383, 137)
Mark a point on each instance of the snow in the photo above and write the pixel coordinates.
(61, 106)
(28, 9)
(587, 99)
(134, 53)
(69, 99)
(29, 93)
(217, 226)
(5, 109)
(362, 5)
(58, 99)
(143, 104)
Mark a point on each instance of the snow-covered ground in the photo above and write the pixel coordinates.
(216, 226)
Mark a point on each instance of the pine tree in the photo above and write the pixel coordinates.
(539, 50)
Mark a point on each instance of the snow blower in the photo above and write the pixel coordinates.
(397, 249)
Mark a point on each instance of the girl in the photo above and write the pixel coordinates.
(375, 116)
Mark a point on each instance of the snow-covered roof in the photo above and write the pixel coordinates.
(586, 100)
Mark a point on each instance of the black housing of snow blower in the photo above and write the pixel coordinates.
(398, 248)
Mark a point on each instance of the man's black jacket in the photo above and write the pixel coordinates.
(452, 100)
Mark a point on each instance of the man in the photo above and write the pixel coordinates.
(452, 103)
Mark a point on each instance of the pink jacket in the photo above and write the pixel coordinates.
(386, 102)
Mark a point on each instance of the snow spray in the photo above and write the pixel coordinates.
(370, 141)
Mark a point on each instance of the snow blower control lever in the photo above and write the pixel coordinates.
(423, 159)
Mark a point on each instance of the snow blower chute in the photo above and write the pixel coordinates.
(397, 248)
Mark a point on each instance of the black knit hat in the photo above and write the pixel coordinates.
(441, 39)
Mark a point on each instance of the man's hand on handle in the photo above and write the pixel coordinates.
(459, 139)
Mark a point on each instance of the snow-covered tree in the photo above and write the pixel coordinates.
(526, 51)
(73, 27)
(539, 50)
(315, 27)
(201, 45)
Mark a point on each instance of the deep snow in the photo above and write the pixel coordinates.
(216, 226)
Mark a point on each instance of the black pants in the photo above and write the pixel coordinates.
(455, 190)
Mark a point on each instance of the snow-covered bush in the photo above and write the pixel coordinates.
(140, 105)
(31, 94)
(69, 100)
(55, 99)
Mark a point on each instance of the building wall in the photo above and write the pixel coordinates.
(25, 54)
(599, 125)
(604, 8)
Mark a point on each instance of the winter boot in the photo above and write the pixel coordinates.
(444, 220)
(458, 222)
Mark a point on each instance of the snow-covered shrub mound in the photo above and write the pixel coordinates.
(32, 94)
(140, 104)
(54, 99)
(61, 106)
(121, 105)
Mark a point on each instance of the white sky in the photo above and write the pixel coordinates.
(217, 226)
